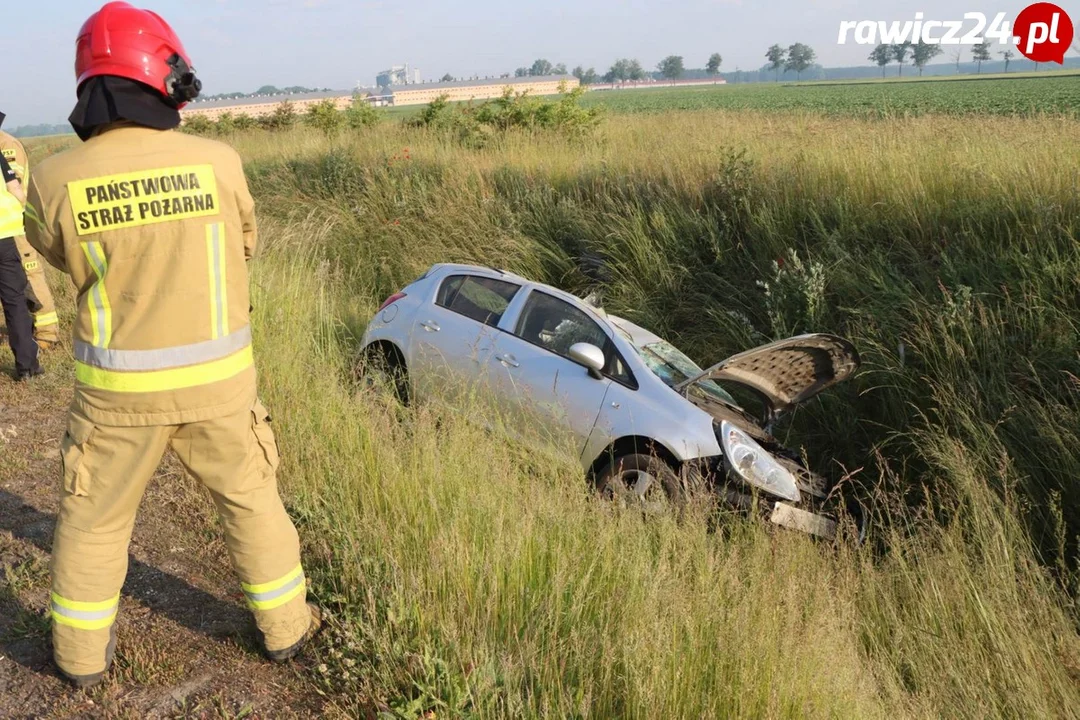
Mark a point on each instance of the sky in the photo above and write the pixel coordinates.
(239, 45)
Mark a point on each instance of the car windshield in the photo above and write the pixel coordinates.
(673, 367)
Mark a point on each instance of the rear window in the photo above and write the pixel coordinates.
(480, 298)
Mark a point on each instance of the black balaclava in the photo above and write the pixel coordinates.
(107, 99)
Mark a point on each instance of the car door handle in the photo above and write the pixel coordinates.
(431, 326)
(508, 360)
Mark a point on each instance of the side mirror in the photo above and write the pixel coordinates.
(590, 356)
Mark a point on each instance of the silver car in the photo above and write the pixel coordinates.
(647, 423)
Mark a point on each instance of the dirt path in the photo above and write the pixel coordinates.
(186, 646)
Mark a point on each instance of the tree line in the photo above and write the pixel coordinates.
(796, 58)
(922, 53)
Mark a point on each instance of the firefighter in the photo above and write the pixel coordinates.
(155, 228)
(13, 278)
(38, 296)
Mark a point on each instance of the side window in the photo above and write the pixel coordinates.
(482, 299)
(557, 325)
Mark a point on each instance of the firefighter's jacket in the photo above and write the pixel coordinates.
(155, 228)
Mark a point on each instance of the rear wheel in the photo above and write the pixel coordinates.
(642, 481)
(382, 368)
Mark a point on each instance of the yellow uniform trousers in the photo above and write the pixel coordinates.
(42, 307)
(106, 471)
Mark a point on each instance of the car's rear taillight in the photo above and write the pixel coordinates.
(390, 301)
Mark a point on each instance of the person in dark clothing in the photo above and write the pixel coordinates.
(20, 326)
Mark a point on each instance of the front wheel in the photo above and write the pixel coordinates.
(641, 481)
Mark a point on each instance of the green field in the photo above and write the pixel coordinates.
(473, 578)
(1020, 95)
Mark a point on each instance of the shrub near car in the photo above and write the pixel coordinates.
(646, 422)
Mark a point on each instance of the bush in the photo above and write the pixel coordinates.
(362, 115)
(197, 125)
(476, 125)
(226, 124)
(245, 122)
(283, 118)
(325, 117)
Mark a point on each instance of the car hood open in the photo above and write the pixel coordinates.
(787, 372)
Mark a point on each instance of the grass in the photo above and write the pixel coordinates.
(473, 579)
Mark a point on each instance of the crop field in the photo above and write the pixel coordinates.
(468, 577)
(1024, 96)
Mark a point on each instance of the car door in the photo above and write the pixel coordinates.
(544, 395)
(453, 335)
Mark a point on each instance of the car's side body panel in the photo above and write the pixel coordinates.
(687, 433)
(545, 396)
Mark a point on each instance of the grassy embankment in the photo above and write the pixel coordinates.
(469, 578)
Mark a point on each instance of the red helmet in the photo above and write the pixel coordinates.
(127, 42)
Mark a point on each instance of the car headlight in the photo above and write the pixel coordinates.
(755, 465)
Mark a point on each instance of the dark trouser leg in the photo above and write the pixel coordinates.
(20, 326)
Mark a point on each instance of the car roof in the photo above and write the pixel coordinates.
(479, 270)
(639, 336)
(451, 268)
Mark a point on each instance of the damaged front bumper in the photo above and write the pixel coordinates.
(817, 516)
(793, 518)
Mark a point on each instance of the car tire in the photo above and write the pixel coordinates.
(634, 480)
(383, 369)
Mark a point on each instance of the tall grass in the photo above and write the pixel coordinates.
(476, 579)
(472, 578)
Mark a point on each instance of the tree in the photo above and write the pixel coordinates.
(587, 77)
(618, 72)
(981, 53)
(713, 66)
(623, 70)
(540, 67)
(776, 56)
(882, 55)
(671, 67)
(799, 58)
(559, 69)
(923, 53)
(900, 52)
(521, 72)
(958, 55)
(1008, 55)
(447, 78)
